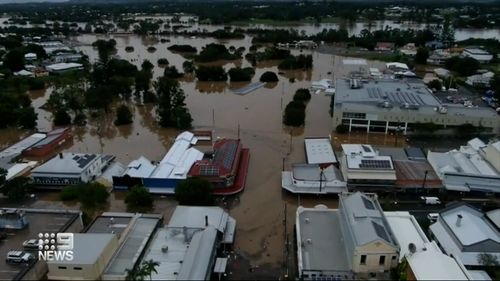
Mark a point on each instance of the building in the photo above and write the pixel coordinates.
(67, 57)
(91, 254)
(471, 168)
(313, 179)
(397, 66)
(425, 260)
(64, 67)
(441, 72)
(164, 176)
(409, 50)
(70, 169)
(319, 151)
(25, 224)
(187, 247)
(383, 105)
(226, 169)
(362, 167)
(9, 157)
(30, 57)
(480, 80)
(24, 73)
(478, 54)
(464, 232)
(350, 242)
(53, 140)
(384, 46)
(438, 57)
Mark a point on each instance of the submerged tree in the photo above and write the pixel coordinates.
(172, 111)
(194, 192)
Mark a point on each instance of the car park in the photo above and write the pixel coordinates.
(19, 257)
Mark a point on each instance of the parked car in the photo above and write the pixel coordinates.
(433, 217)
(19, 257)
(31, 244)
(430, 200)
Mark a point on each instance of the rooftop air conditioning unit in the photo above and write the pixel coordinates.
(164, 248)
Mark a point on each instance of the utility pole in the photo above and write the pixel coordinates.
(425, 179)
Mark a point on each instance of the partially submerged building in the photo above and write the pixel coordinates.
(53, 140)
(389, 105)
(186, 249)
(345, 243)
(478, 54)
(9, 157)
(70, 169)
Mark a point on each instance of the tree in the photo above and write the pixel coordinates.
(422, 55)
(138, 198)
(211, 73)
(295, 114)
(17, 189)
(92, 194)
(194, 192)
(435, 84)
(69, 193)
(171, 109)
(342, 129)
(27, 118)
(105, 48)
(172, 72)
(241, 74)
(146, 268)
(14, 60)
(302, 95)
(162, 61)
(188, 66)
(62, 118)
(495, 84)
(268, 76)
(464, 66)
(123, 115)
(3, 175)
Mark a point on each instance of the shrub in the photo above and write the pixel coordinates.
(435, 84)
(138, 199)
(69, 193)
(129, 49)
(302, 95)
(182, 49)
(92, 194)
(342, 129)
(268, 76)
(151, 49)
(163, 61)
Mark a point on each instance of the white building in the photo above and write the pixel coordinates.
(70, 169)
(472, 167)
(409, 50)
(345, 243)
(397, 66)
(480, 80)
(312, 179)
(425, 260)
(362, 166)
(91, 254)
(64, 67)
(30, 57)
(478, 54)
(187, 247)
(464, 233)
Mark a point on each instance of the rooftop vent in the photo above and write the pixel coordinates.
(164, 248)
(459, 220)
(412, 248)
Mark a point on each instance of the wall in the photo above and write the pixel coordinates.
(373, 251)
(492, 155)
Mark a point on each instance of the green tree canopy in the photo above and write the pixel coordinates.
(17, 189)
(123, 115)
(194, 192)
(138, 199)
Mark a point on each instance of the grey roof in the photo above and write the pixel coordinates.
(70, 163)
(197, 261)
(415, 153)
(365, 219)
(88, 247)
(396, 153)
(312, 172)
(319, 239)
(8, 154)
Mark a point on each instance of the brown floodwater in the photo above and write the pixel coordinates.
(259, 209)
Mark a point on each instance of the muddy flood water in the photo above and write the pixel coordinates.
(260, 208)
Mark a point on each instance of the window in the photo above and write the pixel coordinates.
(393, 257)
(61, 267)
(363, 259)
(353, 115)
(381, 260)
(77, 268)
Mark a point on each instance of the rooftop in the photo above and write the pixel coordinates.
(363, 156)
(320, 243)
(365, 218)
(8, 154)
(456, 162)
(68, 163)
(63, 66)
(51, 136)
(312, 172)
(223, 162)
(319, 151)
(88, 247)
(476, 51)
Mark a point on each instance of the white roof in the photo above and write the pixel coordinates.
(140, 168)
(356, 154)
(17, 148)
(479, 275)
(494, 216)
(30, 56)
(459, 162)
(87, 248)
(23, 72)
(354, 62)
(406, 230)
(63, 66)
(476, 144)
(319, 151)
(397, 65)
(19, 168)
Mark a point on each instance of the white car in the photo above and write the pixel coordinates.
(431, 200)
(19, 257)
(31, 244)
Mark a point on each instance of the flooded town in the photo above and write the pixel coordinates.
(348, 142)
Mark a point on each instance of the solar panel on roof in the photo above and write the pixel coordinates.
(209, 171)
(375, 164)
(380, 231)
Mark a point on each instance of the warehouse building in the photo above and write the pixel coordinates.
(388, 105)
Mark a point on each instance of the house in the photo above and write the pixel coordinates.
(409, 50)
(363, 167)
(425, 259)
(397, 66)
(64, 67)
(480, 80)
(70, 169)
(464, 232)
(478, 54)
(350, 242)
(53, 140)
(384, 46)
(30, 57)
(441, 72)
(471, 168)
(187, 248)
(226, 169)
(438, 57)
(434, 44)
(91, 253)
(24, 73)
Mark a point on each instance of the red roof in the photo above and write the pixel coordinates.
(223, 163)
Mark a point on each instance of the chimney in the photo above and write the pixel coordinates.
(206, 221)
(61, 155)
(459, 220)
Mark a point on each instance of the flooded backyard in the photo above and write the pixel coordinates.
(260, 208)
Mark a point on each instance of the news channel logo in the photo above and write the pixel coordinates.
(56, 246)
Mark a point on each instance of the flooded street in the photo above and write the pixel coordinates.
(260, 208)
